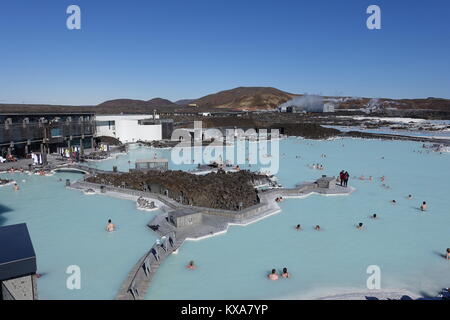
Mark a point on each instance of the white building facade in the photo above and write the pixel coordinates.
(128, 128)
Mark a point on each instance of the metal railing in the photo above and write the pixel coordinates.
(152, 254)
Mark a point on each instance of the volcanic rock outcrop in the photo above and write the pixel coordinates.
(221, 190)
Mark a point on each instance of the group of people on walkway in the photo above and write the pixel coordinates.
(343, 178)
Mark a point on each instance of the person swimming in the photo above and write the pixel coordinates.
(191, 265)
(110, 227)
(16, 187)
(273, 275)
(285, 274)
(360, 226)
(374, 216)
(393, 202)
(448, 254)
(317, 228)
(298, 227)
(410, 197)
(423, 206)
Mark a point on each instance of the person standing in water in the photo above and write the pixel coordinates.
(423, 206)
(360, 226)
(110, 227)
(298, 227)
(273, 275)
(191, 265)
(285, 274)
(448, 254)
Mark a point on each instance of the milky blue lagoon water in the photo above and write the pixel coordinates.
(67, 228)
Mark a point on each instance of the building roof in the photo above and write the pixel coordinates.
(183, 212)
(17, 256)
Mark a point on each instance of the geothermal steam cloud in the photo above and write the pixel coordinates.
(308, 103)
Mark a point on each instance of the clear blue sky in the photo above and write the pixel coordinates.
(186, 49)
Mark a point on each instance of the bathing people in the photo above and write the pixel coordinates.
(191, 265)
(298, 227)
(360, 226)
(448, 254)
(374, 216)
(423, 206)
(16, 187)
(273, 275)
(110, 227)
(410, 197)
(285, 274)
(317, 228)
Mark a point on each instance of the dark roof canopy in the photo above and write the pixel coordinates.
(17, 256)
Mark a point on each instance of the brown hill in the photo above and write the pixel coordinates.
(249, 98)
(123, 102)
(242, 98)
(120, 103)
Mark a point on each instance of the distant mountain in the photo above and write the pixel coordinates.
(160, 102)
(242, 98)
(123, 103)
(248, 98)
(184, 102)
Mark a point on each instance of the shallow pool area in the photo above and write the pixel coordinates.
(67, 228)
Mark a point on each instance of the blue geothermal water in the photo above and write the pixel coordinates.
(67, 228)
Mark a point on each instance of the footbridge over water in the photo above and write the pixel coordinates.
(80, 169)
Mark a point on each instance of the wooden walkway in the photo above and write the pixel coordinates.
(138, 281)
